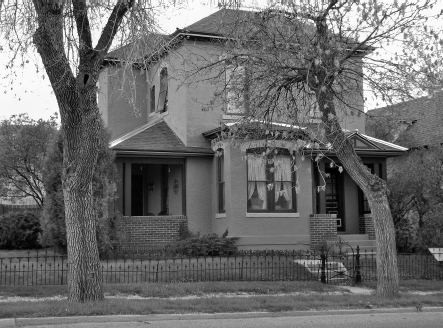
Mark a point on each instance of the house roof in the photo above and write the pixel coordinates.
(155, 137)
(422, 119)
(136, 50)
(219, 23)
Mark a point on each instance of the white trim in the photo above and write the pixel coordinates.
(232, 117)
(384, 142)
(273, 215)
(220, 215)
(140, 129)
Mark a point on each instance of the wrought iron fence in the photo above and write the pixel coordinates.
(158, 266)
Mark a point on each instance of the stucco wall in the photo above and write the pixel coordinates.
(126, 100)
(352, 118)
(204, 110)
(177, 93)
(175, 199)
(199, 193)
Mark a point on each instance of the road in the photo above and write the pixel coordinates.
(370, 320)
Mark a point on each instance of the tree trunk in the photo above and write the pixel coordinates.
(375, 190)
(80, 118)
(84, 279)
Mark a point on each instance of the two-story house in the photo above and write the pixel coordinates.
(172, 174)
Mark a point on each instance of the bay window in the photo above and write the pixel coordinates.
(271, 183)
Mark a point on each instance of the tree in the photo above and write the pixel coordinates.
(23, 149)
(416, 198)
(301, 63)
(63, 33)
(53, 216)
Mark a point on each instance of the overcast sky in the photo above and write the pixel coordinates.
(30, 91)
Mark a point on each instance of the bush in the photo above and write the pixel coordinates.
(20, 230)
(207, 245)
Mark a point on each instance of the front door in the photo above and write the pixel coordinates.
(334, 195)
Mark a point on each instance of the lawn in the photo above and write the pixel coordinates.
(208, 297)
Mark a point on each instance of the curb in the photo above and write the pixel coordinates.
(20, 322)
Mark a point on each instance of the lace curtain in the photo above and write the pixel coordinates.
(257, 178)
(283, 178)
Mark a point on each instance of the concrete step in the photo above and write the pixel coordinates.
(351, 242)
(354, 236)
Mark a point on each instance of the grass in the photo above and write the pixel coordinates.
(177, 289)
(213, 305)
(230, 298)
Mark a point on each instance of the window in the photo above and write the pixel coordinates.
(221, 181)
(236, 87)
(271, 183)
(162, 105)
(152, 100)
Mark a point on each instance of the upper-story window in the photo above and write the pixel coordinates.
(152, 100)
(162, 105)
(271, 183)
(236, 87)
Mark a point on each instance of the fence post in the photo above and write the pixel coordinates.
(323, 266)
(357, 267)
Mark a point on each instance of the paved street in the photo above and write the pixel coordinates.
(370, 320)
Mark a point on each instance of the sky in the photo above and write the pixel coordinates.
(30, 91)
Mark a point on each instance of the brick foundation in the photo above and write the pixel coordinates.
(323, 227)
(149, 230)
(366, 226)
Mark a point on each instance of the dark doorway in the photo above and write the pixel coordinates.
(334, 195)
(137, 195)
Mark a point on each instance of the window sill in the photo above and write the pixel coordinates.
(220, 215)
(273, 215)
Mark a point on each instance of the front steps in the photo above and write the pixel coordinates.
(351, 242)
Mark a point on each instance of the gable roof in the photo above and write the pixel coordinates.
(423, 117)
(155, 137)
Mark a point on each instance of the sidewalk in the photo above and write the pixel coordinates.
(24, 322)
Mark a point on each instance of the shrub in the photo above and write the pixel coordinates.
(207, 245)
(20, 230)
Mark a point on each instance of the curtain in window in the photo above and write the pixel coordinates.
(283, 178)
(257, 178)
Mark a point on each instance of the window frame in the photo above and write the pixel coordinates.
(152, 100)
(162, 103)
(221, 194)
(270, 194)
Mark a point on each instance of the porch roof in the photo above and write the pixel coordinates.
(155, 138)
(363, 144)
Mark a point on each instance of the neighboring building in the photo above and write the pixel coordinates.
(413, 124)
(172, 174)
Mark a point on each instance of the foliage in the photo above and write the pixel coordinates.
(23, 150)
(207, 245)
(53, 218)
(416, 198)
(19, 230)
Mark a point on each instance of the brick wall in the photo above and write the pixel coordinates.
(149, 230)
(323, 227)
(366, 226)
